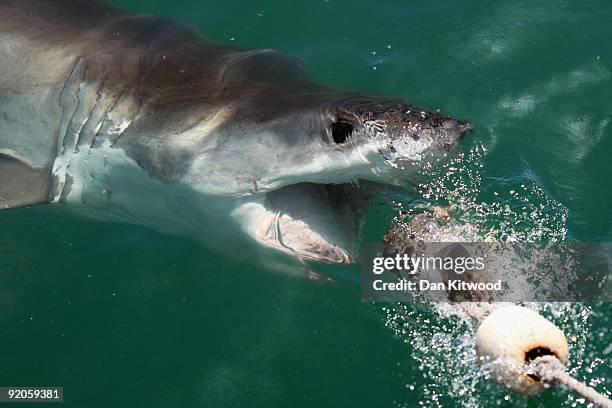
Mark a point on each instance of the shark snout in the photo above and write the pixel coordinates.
(452, 131)
(463, 128)
(457, 127)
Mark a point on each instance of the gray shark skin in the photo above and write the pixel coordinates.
(139, 119)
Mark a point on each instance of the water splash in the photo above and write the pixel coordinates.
(508, 209)
(441, 336)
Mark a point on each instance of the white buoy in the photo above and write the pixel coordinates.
(520, 349)
(509, 338)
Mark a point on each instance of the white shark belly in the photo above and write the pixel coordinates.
(105, 184)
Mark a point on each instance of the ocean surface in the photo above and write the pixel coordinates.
(122, 316)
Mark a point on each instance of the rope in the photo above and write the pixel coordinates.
(480, 310)
(547, 369)
(550, 370)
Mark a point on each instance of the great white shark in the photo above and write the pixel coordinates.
(139, 119)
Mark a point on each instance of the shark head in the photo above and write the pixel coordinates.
(307, 165)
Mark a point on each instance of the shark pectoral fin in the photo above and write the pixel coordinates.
(22, 185)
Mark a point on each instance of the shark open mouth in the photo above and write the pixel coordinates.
(314, 204)
(318, 222)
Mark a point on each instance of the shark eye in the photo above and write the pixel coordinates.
(341, 131)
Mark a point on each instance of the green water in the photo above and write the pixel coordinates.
(122, 316)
